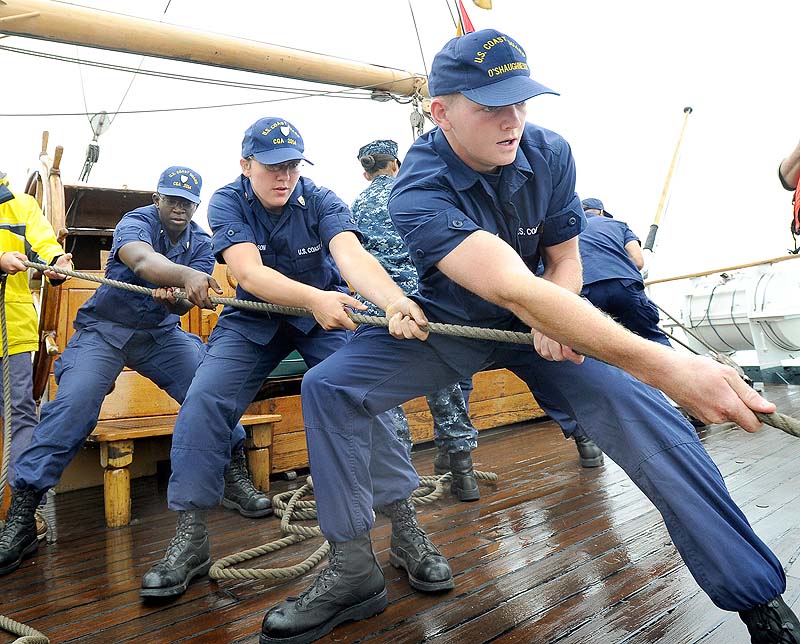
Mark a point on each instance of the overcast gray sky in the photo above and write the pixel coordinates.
(625, 71)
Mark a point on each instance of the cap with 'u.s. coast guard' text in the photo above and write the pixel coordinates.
(487, 67)
(271, 140)
(180, 181)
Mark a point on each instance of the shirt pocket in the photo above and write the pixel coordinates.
(307, 263)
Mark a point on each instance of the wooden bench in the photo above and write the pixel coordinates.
(115, 438)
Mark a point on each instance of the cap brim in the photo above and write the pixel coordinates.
(515, 89)
(178, 192)
(281, 155)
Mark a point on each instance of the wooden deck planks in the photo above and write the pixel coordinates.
(551, 553)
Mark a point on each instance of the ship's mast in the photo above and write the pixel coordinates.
(67, 23)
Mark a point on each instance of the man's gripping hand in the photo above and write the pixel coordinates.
(554, 351)
(406, 319)
(196, 287)
(713, 392)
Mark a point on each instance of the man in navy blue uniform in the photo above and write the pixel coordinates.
(285, 240)
(612, 259)
(478, 201)
(156, 246)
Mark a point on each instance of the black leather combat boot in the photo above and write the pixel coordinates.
(441, 464)
(411, 549)
(772, 623)
(240, 493)
(188, 556)
(18, 537)
(464, 485)
(352, 587)
(591, 455)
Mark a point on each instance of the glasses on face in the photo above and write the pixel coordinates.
(281, 168)
(172, 202)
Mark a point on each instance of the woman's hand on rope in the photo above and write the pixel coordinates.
(328, 309)
(713, 392)
(406, 319)
(196, 287)
(554, 351)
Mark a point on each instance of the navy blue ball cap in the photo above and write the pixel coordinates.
(487, 67)
(595, 204)
(180, 181)
(272, 140)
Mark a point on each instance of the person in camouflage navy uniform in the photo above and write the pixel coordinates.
(454, 434)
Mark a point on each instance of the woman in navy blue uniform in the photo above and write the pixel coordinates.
(478, 201)
(285, 240)
(157, 246)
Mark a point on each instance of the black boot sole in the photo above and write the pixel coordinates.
(424, 586)
(250, 514)
(466, 495)
(26, 552)
(597, 461)
(179, 589)
(366, 609)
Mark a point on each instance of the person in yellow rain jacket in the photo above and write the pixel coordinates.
(25, 235)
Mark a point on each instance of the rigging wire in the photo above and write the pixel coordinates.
(419, 40)
(179, 109)
(174, 76)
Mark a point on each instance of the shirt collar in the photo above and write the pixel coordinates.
(463, 177)
(295, 199)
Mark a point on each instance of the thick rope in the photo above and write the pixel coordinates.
(778, 420)
(781, 421)
(431, 488)
(27, 634)
(477, 333)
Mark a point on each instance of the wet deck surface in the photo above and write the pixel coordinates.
(551, 553)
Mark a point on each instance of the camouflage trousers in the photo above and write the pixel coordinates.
(452, 429)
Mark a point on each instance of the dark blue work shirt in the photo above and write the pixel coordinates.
(294, 243)
(603, 253)
(116, 313)
(438, 201)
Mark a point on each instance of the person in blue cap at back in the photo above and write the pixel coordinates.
(285, 240)
(156, 246)
(612, 259)
(478, 201)
(453, 433)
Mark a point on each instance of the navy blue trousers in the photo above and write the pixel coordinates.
(628, 304)
(84, 373)
(232, 372)
(631, 422)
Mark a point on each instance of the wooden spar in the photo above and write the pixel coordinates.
(651, 235)
(67, 23)
(726, 269)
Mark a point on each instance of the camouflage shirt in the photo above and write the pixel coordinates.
(381, 238)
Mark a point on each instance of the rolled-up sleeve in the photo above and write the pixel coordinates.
(133, 227)
(430, 232)
(334, 216)
(565, 218)
(227, 223)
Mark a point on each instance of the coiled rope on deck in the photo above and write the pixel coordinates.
(430, 489)
(780, 421)
(27, 635)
